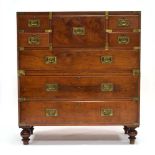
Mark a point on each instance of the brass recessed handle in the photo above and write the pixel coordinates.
(50, 60)
(107, 87)
(123, 22)
(33, 23)
(51, 112)
(106, 112)
(52, 87)
(106, 59)
(78, 30)
(123, 40)
(34, 40)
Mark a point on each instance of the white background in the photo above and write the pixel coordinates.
(74, 140)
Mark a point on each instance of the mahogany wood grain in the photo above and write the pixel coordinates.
(23, 20)
(76, 87)
(79, 60)
(23, 39)
(133, 22)
(79, 71)
(94, 31)
(79, 113)
(134, 39)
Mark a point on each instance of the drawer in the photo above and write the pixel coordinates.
(33, 21)
(79, 31)
(124, 22)
(79, 60)
(79, 87)
(33, 39)
(124, 40)
(79, 113)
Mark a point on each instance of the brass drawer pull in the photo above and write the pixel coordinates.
(51, 87)
(123, 22)
(123, 40)
(33, 23)
(106, 112)
(78, 30)
(107, 87)
(51, 112)
(34, 40)
(106, 59)
(50, 60)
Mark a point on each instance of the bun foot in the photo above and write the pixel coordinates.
(132, 135)
(25, 133)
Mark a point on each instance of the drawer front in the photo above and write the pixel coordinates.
(76, 87)
(33, 21)
(78, 60)
(79, 31)
(124, 22)
(124, 40)
(79, 113)
(33, 39)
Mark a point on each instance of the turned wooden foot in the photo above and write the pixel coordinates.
(126, 129)
(32, 128)
(132, 134)
(25, 133)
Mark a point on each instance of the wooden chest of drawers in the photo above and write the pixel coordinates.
(78, 68)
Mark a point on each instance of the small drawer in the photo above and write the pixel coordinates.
(33, 21)
(121, 22)
(79, 113)
(124, 40)
(76, 87)
(33, 39)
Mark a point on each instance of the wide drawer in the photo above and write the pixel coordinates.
(124, 39)
(79, 60)
(79, 113)
(33, 39)
(78, 30)
(79, 87)
(33, 21)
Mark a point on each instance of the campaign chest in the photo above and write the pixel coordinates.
(79, 68)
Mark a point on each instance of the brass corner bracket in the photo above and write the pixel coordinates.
(136, 72)
(21, 72)
(136, 99)
(106, 14)
(22, 99)
(50, 15)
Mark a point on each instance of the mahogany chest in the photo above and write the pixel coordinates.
(79, 68)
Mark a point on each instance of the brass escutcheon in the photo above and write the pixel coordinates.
(51, 112)
(51, 87)
(50, 60)
(106, 112)
(106, 59)
(33, 23)
(123, 40)
(123, 22)
(78, 30)
(107, 87)
(34, 40)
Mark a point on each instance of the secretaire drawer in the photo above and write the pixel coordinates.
(79, 112)
(79, 60)
(33, 39)
(79, 87)
(78, 30)
(33, 21)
